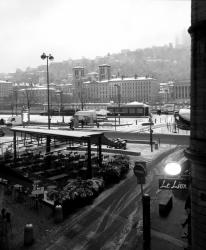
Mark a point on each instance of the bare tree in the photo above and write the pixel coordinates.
(82, 96)
(14, 100)
(29, 97)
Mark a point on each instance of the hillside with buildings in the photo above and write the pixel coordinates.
(163, 63)
(154, 76)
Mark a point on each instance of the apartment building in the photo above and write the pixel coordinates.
(6, 89)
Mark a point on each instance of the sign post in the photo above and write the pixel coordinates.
(140, 172)
(150, 123)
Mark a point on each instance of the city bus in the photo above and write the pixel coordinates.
(168, 108)
(133, 109)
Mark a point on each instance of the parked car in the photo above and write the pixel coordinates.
(120, 143)
(14, 120)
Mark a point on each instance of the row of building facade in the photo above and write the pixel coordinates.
(96, 87)
(104, 88)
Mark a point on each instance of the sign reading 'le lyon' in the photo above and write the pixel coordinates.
(179, 184)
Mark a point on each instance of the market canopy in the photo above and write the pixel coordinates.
(67, 134)
(87, 136)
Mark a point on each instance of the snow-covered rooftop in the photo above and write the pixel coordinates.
(136, 104)
(56, 132)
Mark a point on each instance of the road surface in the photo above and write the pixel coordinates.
(174, 139)
(107, 223)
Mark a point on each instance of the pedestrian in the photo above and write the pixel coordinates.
(8, 219)
(188, 219)
(3, 213)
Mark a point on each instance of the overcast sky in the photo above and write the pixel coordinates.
(89, 28)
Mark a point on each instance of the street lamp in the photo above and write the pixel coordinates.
(172, 168)
(47, 57)
(119, 99)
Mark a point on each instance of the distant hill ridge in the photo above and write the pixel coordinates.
(163, 63)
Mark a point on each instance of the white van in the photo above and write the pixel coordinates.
(14, 121)
(89, 116)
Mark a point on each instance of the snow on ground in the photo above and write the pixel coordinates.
(42, 118)
(43, 221)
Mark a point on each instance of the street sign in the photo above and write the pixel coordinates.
(177, 184)
(140, 172)
(147, 123)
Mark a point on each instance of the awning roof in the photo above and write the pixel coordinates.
(70, 134)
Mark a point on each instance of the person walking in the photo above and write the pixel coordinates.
(8, 219)
(188, 220)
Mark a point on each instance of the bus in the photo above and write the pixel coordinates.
(168, 108)
(132, 109)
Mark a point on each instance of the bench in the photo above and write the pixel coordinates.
(165, 203)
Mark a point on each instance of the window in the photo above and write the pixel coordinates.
(140, 110)
(125, 110)
(76, 72)
(132, 110)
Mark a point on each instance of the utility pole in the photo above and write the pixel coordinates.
(119, 99)
(151, 136)
(151, 133)
(16, 99)
(150, 123)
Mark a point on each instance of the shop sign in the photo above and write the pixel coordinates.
(178, 184)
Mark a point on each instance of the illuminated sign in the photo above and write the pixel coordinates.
(178, 184)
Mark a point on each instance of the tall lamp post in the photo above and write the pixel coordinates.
(119, 99)
(48, 57)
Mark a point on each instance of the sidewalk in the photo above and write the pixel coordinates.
(166, 231)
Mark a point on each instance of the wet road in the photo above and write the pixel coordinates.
(106, 223)
(174, 139)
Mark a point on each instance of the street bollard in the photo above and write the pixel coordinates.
(28, 234)
(146, 222)
(58, 215)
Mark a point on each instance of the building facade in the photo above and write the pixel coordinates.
(107, 89)
(182, 92)
(104, 72)
(36, 95)
(141, 89)
(177, 92)
(6, 89)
